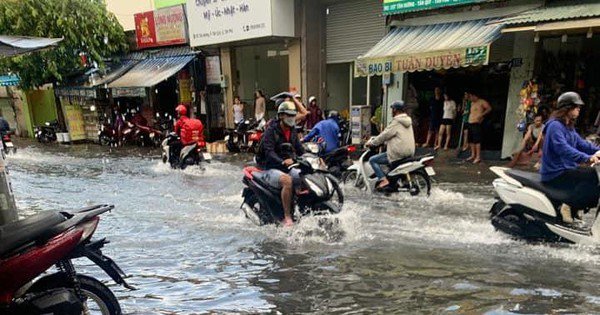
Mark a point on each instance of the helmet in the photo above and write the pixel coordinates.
(398, 105)
(333, 114)
(181, 110)
(568, 99)
(312, 98)
(287, 108)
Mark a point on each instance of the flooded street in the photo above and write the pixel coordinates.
(188, 248)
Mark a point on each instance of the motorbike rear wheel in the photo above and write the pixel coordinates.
(420, 182)
(99, 298)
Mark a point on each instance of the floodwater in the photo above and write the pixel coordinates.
(188, 248)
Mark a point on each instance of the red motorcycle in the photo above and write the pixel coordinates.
(29, 247)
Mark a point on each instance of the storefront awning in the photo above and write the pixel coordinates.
(560, 11)
(9, 80)
(15, 45)
(150, 72)
(115, 70)
(428, 47)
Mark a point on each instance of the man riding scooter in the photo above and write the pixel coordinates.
(400, 141)
(563, 153)
(189, 130)
(327, 129)
(271, 157)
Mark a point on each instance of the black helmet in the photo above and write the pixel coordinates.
(569, 99)
(333, 114)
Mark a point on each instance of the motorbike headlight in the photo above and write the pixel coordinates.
(314, 187)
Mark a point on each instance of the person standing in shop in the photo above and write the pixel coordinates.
(238, 110)
(479, 109)
(466, 110)
(260, 105)
(447, 122)
(436, 108)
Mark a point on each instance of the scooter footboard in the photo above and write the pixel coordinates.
(524, 196)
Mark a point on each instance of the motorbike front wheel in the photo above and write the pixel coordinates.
(98, 297)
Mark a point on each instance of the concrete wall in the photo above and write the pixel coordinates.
(524, 47)
(312, 32)
(125, 9)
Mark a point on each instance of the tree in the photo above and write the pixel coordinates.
(90, 33)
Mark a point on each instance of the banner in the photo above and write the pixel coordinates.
(454, 58)
(163, 27)
(213, 70)
(215, 22)
(403, 6)
(74, 118)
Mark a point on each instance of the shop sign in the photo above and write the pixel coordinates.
(129, 92)
(167, 3)
(214, 22)
(74, 118)
(453, 58)
(161, 27)
(185, 91)
(213, 70)
(403, 6)
(84, 93)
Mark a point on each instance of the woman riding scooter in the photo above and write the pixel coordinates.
(564, 151)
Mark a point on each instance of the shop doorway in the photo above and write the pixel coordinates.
(264, 67)
(492, 83)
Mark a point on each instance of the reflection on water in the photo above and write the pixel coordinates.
(189, 249)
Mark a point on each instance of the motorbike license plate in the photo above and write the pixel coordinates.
(207, 156)
(430, 171)
(9, 145)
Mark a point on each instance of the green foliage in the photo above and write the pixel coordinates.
(86, 25)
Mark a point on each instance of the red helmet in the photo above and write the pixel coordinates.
(181, 110)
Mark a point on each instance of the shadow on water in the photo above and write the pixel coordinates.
(189, 249)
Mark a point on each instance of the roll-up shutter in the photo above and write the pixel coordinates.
(353, 27)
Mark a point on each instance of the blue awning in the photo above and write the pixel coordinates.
(9, 80)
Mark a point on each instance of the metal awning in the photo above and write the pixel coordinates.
(427, 47)
(559, 11)
(9, 80)
(15, 45)
(115, 71)
(150, 72)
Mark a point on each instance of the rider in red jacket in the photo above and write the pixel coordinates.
(190, 130)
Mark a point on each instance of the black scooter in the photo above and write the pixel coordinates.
(189, 155)
(47, 132)
(320, 193)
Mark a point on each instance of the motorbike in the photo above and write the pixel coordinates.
(148, 136)
(7, 144)
(30, 247)
(107, 135)
(320, 193)
(47, 132)
(412, 174)
(190, 155)
(345, 133)
(337, 162)
(528, 209)
(245, 137)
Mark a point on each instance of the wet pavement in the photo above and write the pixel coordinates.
(188, 248)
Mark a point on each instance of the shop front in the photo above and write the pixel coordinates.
(454, 56)
(559, 47)
(255, 45)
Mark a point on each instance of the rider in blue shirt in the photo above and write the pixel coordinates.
(327, 129)
(564, 151)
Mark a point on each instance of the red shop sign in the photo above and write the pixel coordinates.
(163, 27)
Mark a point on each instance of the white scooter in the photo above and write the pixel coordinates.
(411, 175)
(528, 209)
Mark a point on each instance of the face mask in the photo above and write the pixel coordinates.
(290, 121)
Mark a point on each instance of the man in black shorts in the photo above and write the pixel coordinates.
(479, 109)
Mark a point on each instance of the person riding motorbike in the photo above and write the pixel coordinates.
(563, 152)
(189, 130)
(327, 129)
(400, 141)
(272, 158)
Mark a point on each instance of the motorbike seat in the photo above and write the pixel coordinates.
(409, 159)
(16, 234)
(534, 181)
